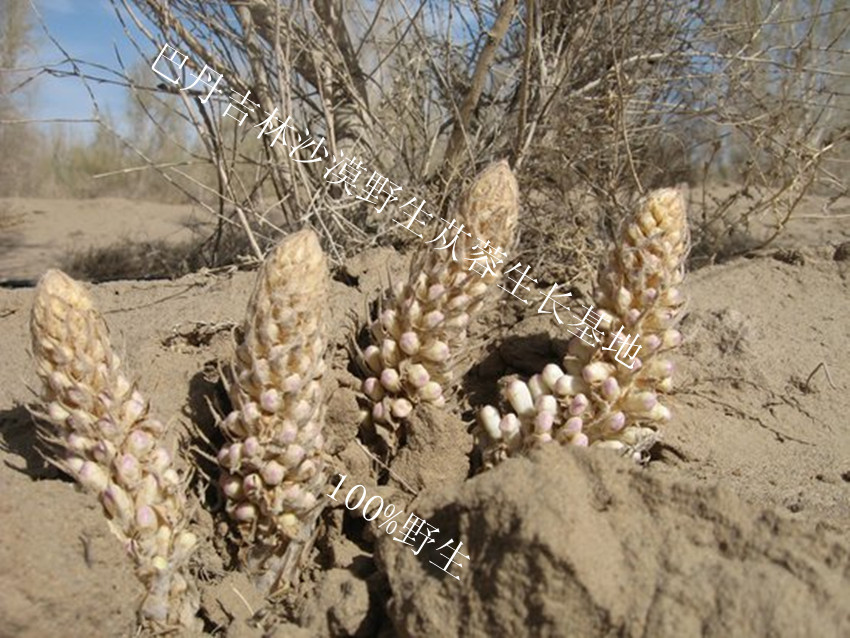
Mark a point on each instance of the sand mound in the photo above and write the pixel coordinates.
(584, 545)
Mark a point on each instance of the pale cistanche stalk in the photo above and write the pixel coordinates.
(596, 399)
(419, 336)
(274, 473)
(103, 436)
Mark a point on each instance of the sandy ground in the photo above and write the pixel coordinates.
(738, 526)
(41, 231)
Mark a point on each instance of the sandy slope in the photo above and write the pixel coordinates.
(737, 527)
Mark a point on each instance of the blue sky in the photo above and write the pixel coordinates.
(88, 30)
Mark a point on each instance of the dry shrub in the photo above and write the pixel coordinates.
(129, 259)
(594, 102)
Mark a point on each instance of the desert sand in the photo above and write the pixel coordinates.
(738, 526)
(37, 233)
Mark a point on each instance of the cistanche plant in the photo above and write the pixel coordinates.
(608, 393)
(419, 336)
(102, 434)
(273, 471)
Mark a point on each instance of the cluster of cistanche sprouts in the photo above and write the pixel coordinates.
(608, 390)
(273, 472)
